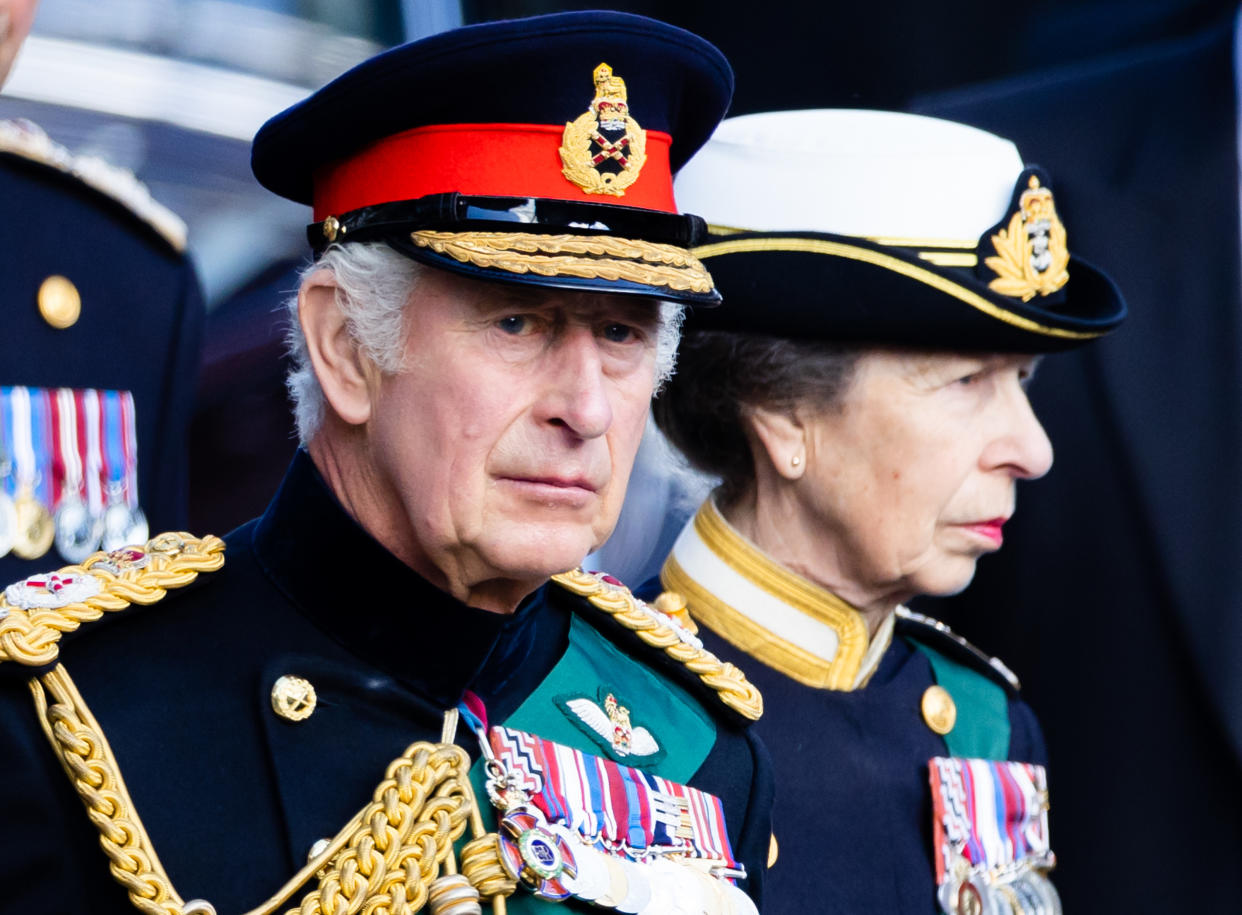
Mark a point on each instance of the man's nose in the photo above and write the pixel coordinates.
(576, 395)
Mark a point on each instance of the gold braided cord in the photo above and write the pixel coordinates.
(403, 837)
(87, 759)
(728, 681)
(384, 861)
(583, 256)
(30, 636)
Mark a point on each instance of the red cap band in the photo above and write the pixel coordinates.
(499, 160)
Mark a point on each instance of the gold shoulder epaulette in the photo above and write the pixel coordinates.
(663, 631)
(34, 613)
(29, 141)
(996, 664)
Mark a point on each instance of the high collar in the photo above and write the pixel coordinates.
(378, 608)
(774, 615)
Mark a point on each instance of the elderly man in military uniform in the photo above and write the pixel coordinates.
(291, 714)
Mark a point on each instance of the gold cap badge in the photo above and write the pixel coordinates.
(1031, 253)
(603, 151)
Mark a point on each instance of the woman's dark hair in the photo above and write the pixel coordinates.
(719, 373)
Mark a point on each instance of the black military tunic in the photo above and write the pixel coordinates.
(141, 311)
(232, 795)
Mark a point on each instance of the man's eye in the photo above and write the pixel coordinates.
(618, 333)
(515, 324)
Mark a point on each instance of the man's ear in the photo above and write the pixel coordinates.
(781, 436)
(341, 367)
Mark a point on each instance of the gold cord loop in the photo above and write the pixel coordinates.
(654, 628)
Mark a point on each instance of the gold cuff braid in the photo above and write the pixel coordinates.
(728, 681)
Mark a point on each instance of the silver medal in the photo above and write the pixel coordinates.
(123, 527)
(591, 880)
(8, 523)
(78, 532)
(639, 892)
(741, 903)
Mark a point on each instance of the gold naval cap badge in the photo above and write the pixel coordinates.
(939, 709)
(293, 698)
(59, 302)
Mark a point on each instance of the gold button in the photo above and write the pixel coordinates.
(293, 698)
(672, 603)
(317, 849)
(939, 710)
(774, 851)
(59, 302)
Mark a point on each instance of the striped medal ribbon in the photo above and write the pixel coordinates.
(618, 808)
(990, 821)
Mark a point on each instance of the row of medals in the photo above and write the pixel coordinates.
(28, 529)
(659, 886)
(1030, 893)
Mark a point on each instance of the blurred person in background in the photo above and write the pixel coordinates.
(474, 352)
(1119, 592)
(891, 280)
(102, 319)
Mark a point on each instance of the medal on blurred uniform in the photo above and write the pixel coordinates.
(991, 837)
(124, 524)
(78, 530)
(34, 533)
(8, 512)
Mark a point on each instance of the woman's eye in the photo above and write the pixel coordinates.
(967, 380)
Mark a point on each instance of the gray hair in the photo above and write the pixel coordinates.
(374, 285)
(702, 410)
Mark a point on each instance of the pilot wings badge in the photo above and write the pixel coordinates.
(604, 149)
(612, 729)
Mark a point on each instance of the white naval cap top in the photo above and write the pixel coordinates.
(877, 174)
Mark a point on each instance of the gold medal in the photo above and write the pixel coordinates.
(35, 530)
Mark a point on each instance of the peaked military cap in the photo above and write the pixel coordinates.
(535, 150)
(889, 228)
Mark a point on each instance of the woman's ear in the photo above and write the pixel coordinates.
(343, 370)
(781, 436)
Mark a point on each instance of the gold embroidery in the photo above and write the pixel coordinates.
(599, 125)
(584, 256)
(1032, 254)
(888, 262)
(730, 684)
(30, 635)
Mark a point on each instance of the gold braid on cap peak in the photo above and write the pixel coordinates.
(661, 631)
(583, 256)
(36, 612)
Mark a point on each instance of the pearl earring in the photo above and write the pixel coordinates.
(796, 460)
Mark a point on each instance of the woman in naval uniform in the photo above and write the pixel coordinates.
(889, 281)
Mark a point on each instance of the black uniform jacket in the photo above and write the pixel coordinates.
(1119, 592)
(140, 326)
(845, 726)
(232, 796)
